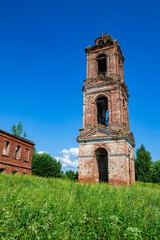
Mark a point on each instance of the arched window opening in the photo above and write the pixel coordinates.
(101, 43)
(102, 160)
(102, 111)
(102, 66)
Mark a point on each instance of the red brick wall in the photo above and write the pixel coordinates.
(114, 61)
(118, 114)
(120, 150)
(9, 163)
(120, 157)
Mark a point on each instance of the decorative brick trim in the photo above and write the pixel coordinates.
(17, 166)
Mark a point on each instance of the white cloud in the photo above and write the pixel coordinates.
(74, 151)
(64, 151)
(69, 158)
(71, 151)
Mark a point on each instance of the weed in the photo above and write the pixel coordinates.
(44, 208)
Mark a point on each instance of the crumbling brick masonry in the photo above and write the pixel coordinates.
(105, 141)
(15, 154)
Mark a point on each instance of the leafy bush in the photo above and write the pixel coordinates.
(71, 175)
(154, 172)
(45, 166)
(109, 38)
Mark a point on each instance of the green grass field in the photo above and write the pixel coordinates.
(39, 208)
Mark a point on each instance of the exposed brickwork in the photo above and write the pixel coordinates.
(116, 137)
(11, 162)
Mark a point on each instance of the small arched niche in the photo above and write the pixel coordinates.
(102, 162)
(102, 64)
(102, 111)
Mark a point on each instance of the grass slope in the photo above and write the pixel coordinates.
(39, 208)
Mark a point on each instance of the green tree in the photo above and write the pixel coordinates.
(71, 175)
(155, 172)
(18, 130)
(142, 164)
(45, 166)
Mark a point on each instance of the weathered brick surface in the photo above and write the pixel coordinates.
(8, 162)
(116, 138)
(120, 161)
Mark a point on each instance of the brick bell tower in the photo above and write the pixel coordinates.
(105, 141)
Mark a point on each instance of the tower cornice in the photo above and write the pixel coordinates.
(105, 133)
(105, 81)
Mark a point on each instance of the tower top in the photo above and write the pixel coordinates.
(105, 40)
(105, 58)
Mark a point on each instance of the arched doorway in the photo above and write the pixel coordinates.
(102, 111)
(102, 161)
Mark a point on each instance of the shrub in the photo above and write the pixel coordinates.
(109, 38)
(155, 172)
(71, 175)
(45, 166)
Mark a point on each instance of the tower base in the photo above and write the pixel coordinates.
(102, 158)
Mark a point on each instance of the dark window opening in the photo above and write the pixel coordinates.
(18, 152)
(102, 160)
(123, 103)
(102, 111)
(102, 67)
(5, 151)
(14, 172)
(101, 43)
(2, 170)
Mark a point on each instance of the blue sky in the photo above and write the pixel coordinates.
(43, 65)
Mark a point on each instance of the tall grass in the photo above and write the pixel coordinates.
(39, 208)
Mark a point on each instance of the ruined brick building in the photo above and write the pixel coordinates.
(105, 141)
(15, 154)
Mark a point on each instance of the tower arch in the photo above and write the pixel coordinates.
(102, 110)
(102, 64)
(101, 94)
(102, 163)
